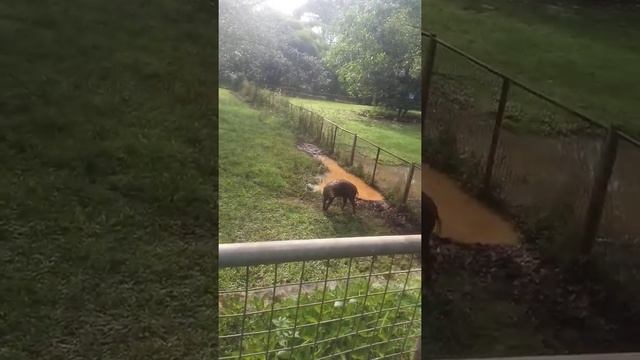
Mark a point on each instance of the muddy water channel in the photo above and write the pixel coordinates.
(465, 219)
(336, 172)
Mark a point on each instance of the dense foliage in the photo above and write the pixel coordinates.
(268, 48)
(377, 53)
(369, 50)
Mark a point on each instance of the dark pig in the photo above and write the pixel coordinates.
(342, 189)
(430, 216)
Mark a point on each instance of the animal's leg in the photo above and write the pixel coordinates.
(344, 202)
(353, 204)
(329, 202)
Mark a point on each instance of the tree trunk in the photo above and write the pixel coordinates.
(404, 113)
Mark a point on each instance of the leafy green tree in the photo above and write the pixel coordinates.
(268, 48)
(376, 53)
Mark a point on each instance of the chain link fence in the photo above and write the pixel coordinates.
(568, 181)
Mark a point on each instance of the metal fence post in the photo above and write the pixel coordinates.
(375, 167)
(599, 191)
(353, 148)
(418, 354)
(486, 182)
(320, 132)
(405, 196)
(427, 64)
(333, 140)
(255, 94)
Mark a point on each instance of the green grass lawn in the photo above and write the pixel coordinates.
(402, 139)
(584, 57)
(108, 168)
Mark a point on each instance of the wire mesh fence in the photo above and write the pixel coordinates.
(617, 246)
(553, 169)
(356, 306)
(395, 177)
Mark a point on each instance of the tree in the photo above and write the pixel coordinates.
(377, 52)
(268, 48)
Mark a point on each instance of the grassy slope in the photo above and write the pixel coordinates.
(108, 166)
(263, 194)
(399, 138)
(586, 58)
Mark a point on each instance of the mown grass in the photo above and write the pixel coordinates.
(107, 180)
(584, 57)
(402, 139)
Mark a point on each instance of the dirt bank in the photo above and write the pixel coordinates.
(497, 300)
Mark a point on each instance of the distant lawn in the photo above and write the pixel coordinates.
(402, 139)
(586, 58)
(108, 168)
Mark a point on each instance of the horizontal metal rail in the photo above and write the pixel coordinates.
(521, 85)
(277, 252)
(628, 138)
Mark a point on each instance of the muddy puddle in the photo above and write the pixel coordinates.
(465, 219)
(335, 172)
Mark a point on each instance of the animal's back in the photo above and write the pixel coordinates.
(429, 214)
(341, 188)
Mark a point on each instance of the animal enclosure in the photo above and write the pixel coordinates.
(398, 179)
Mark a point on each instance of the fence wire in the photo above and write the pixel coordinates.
(396, 178)
(363, 308)
(618, 244)
(461, 115)
(546, 179)
(544, 162)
